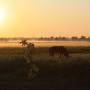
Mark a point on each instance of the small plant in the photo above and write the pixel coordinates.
(23, 42)
(31, 67)
(29, 51)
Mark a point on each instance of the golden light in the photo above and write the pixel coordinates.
(2, 15)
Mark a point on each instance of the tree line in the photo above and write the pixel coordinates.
(74, 38)
(59, 38)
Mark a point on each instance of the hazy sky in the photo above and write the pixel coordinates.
(35, 18)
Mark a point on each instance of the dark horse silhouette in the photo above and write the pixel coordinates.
(60, 50)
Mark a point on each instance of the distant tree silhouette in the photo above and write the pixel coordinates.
(83, 38)
(51, 37)
(74, 38)
(88, 38)
(64, 38)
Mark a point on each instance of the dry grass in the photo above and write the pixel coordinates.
(61, 71)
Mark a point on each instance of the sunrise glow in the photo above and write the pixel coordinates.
(2, 15)
(37, 18)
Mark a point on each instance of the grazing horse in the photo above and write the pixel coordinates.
(60, 50)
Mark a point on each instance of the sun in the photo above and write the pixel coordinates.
(2, 15)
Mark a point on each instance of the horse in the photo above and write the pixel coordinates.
(59, 50)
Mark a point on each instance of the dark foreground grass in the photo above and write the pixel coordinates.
(52, 75)
(39, 50)
(55, 73)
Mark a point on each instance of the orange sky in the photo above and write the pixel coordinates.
(36, 18)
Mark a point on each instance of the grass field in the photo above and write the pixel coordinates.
(55, 73)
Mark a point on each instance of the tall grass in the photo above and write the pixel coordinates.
(14, 66)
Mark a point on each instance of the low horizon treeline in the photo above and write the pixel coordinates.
(74, 38)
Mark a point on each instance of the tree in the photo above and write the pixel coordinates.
(83, 38)
(88, 38)
(74, 38)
